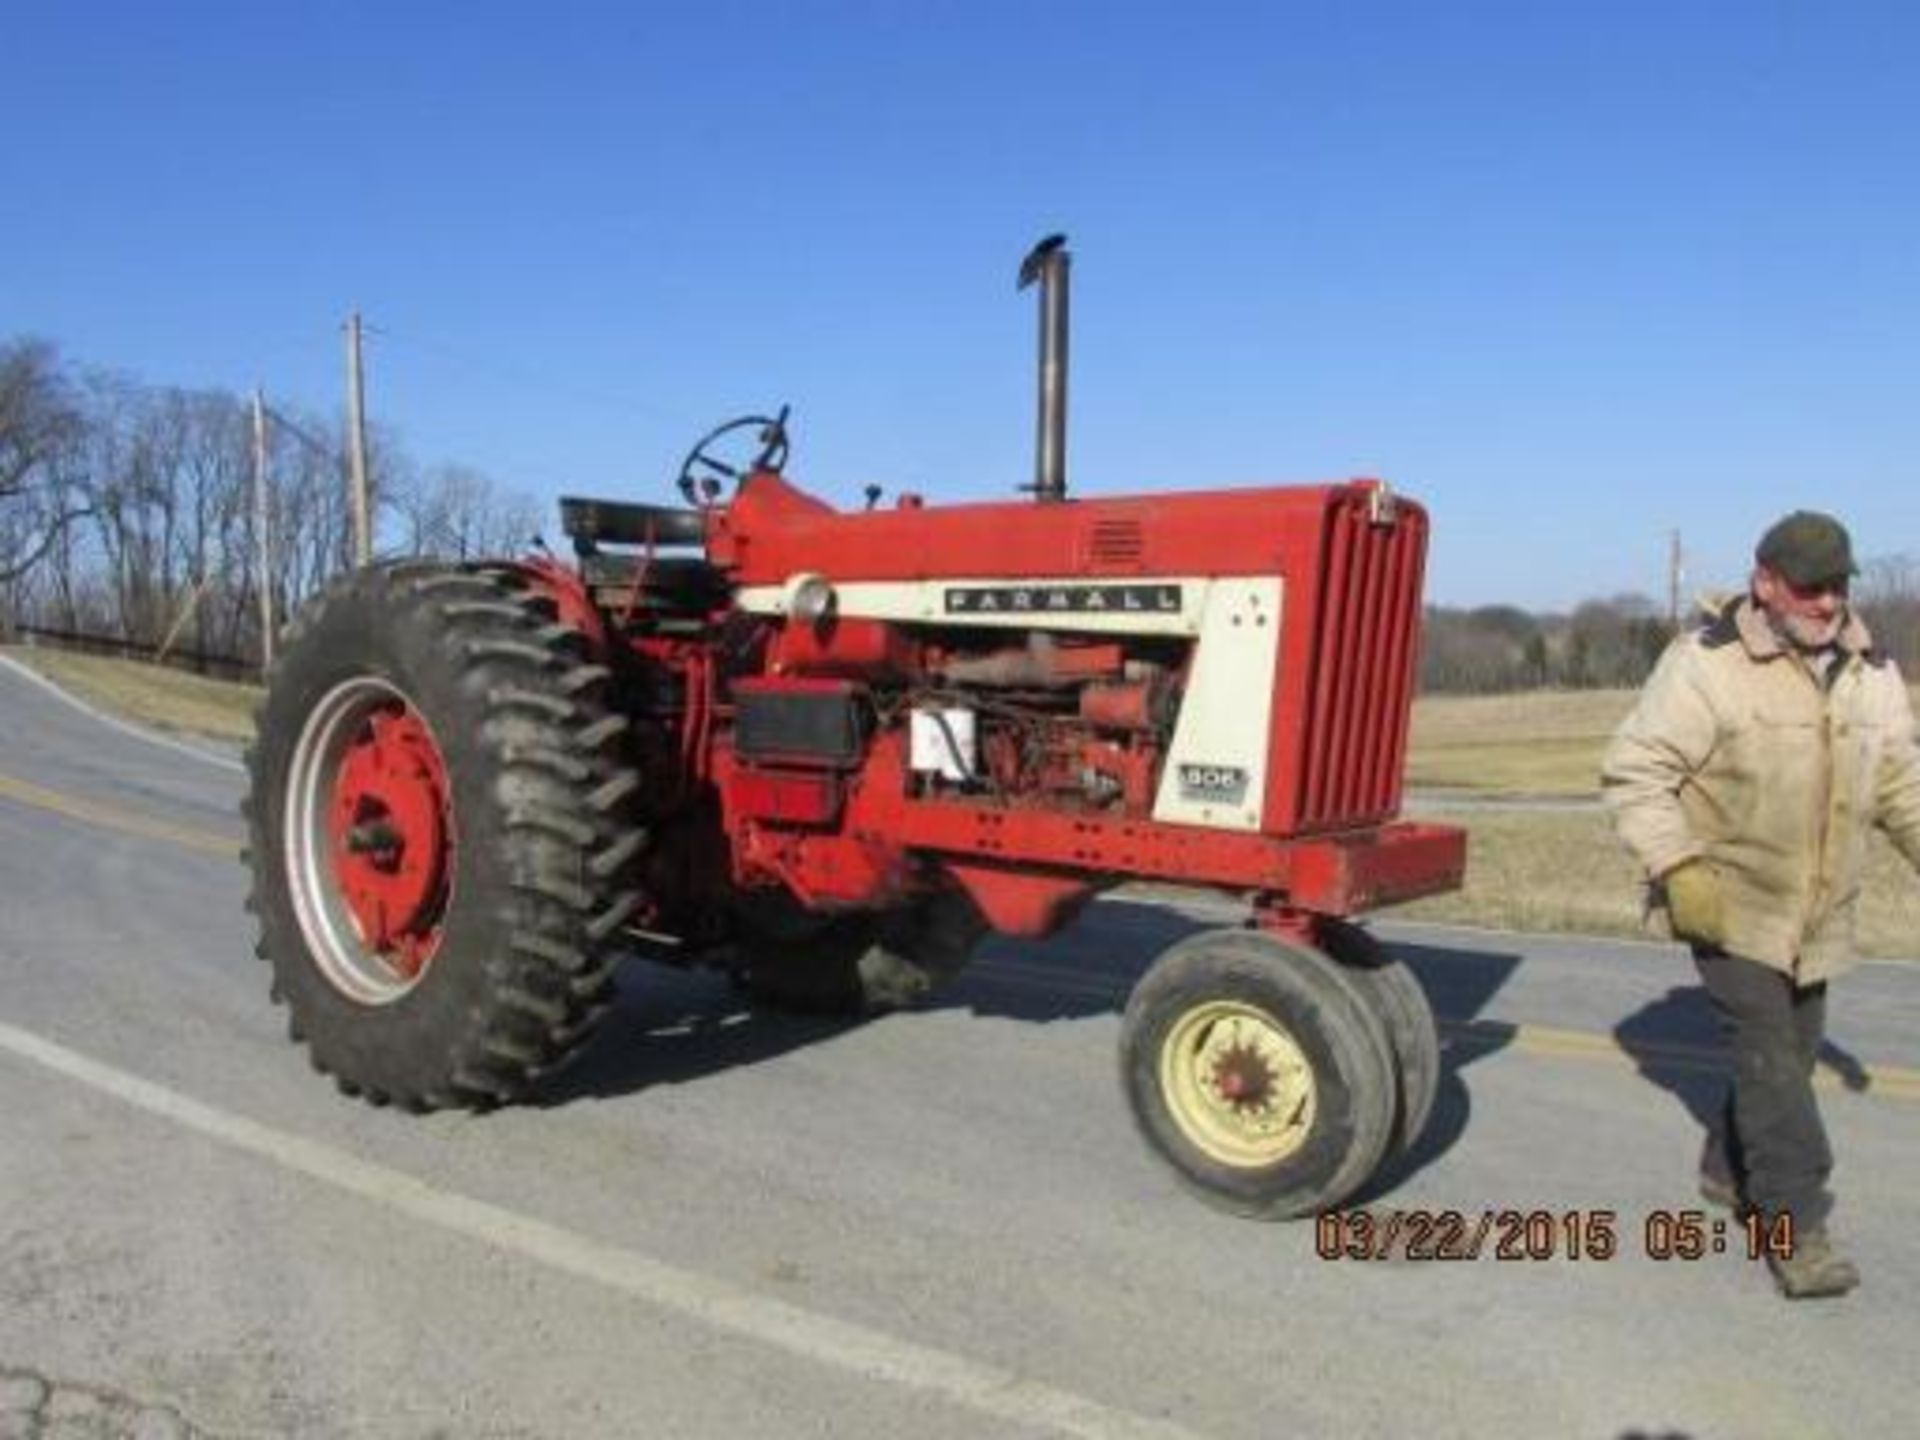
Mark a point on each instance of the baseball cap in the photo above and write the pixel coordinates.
(1808, 548)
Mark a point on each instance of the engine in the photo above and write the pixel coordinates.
(1074, 723)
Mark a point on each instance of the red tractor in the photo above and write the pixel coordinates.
(830, 751)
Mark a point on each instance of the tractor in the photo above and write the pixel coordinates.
(830, 751)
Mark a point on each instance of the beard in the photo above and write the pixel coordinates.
(1806, 633)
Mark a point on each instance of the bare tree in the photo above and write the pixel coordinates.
(311, 536)
(1888, 595)
(1613, 642)
(40, 423)
(461, 513)
(123, 506)
(211, 483)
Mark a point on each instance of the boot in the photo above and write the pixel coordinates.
(1718, 1190)
(1717, 1185)
(1815, 1271)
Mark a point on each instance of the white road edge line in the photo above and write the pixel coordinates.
(138, 732)
(985, 1389)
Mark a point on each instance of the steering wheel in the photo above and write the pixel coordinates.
(699, 470)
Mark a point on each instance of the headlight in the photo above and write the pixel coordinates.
(809, 598)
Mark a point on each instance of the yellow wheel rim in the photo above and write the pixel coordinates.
(1237, 1084)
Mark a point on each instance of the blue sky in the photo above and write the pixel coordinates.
(1572, 275)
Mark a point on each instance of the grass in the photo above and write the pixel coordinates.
(1543, 742)
(155, 695)
(1542, 870)
(1563, 871)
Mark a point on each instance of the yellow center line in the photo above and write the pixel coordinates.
(1889, 1080)
(1892, 1081)
(110, 817)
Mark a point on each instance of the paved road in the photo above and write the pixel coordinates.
(938, 1224)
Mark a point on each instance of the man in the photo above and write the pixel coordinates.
(1763, 747)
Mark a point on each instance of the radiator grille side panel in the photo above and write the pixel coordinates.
(1354, 749)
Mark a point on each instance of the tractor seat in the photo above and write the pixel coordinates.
(592, 523)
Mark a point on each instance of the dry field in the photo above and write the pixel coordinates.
(1546, 742)
(154, 695)
(1543, 742)
(1528, 869)
(1562, 869)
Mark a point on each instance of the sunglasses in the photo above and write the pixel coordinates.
(1817, 588)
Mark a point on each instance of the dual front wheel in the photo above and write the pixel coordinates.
(1276, 1078)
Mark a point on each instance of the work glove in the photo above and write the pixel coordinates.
(1695, 908)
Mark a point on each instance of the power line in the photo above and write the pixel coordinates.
(331, 452)
(521, 375)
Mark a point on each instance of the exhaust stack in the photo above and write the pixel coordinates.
(1048, 263)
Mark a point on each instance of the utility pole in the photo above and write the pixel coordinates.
(263, 539)
(1674, 575)
(357, 445)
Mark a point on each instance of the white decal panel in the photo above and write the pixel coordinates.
(1216, 773)
(1170, 606)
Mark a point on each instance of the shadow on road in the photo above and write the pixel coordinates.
(672, 1027)
(1676, 1044)
(1460, 984)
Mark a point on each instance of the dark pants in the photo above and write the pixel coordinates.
(1771, 1142)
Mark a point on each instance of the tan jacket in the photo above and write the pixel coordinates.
(1737, 753)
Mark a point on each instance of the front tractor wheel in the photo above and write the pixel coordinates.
(1403, 1007)
(439, 835)
(1260, 1072)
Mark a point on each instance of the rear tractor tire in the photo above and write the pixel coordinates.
(854, 965)
(1260, 1071)
(440, 835)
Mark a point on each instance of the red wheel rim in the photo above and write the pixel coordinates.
(369, 840)
(390, 838)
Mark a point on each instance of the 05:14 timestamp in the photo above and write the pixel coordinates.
(1694, 1235)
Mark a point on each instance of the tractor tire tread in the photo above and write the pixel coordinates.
(553, 822)
(483, 648)
(545, 820)
(557, 762)
(582, 677)
(617, 855)
(515, 699)
(496, 609)
(601, 732)
(1402, 1003)
(608, 796)
(618, 912)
